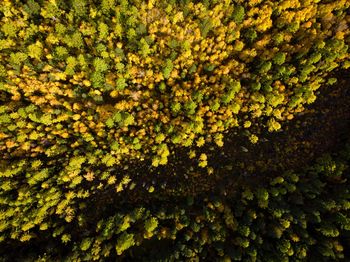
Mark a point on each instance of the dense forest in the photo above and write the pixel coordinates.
(176, 130)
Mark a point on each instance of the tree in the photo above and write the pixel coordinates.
(35, 50)
(168, 68)
(125, 241)
(238, 14)
(151, 224)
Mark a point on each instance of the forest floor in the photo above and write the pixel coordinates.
(321, 128)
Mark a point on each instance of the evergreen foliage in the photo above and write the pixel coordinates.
(86, 86)
(166, 64)
(292, 216)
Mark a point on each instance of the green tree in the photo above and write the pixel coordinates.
(238, 14)
(125, 241)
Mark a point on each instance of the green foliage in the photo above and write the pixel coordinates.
(151, 224)
(121, 84)
(103, 30)
(109, 160)
(279, 58)
(144, 48)
(176, 107)
(18, 58)
(100, 65)
(32, 7)
(190, 107)
(97, 79)
(107, 6)
(74, 40)
(61, 51)
(179, 64)
(79, 7)
(206, 26)
(124, 242)
(168, 68)
(9, 29)
(35, 50)
(250, 35)
(88, 86)
(85, 244)
(238, 14)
